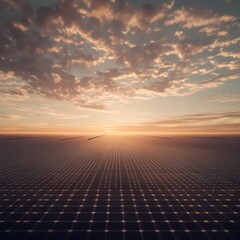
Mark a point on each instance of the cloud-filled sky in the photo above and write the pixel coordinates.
(120, 65)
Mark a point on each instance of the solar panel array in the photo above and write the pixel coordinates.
(120, 188)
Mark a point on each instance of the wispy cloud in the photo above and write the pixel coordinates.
(223, 122)
(198, 17)
(9, 117)
(226, 99)
(202, 118)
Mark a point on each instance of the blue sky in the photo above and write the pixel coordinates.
(119, 66)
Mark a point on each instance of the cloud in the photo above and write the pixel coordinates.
(232, 65)
(219, 43)
(214, 30)
(9, 117)
(51, 112)
(179, 86)
(197, 17)
(222, 122)
(47, 111)
(230, 54)
(159, 86)
(201, 118)
(10, 92)
(91, 106)
(96, 52)
(179, 35)
(226, 99)
(220, 79)
(186, 48)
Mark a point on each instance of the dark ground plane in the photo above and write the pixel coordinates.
(120, 188)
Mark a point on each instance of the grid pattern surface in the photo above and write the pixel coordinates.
(120, 188)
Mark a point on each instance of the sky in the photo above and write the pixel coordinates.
(118, 66)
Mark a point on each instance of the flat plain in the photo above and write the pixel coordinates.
(119, 187)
